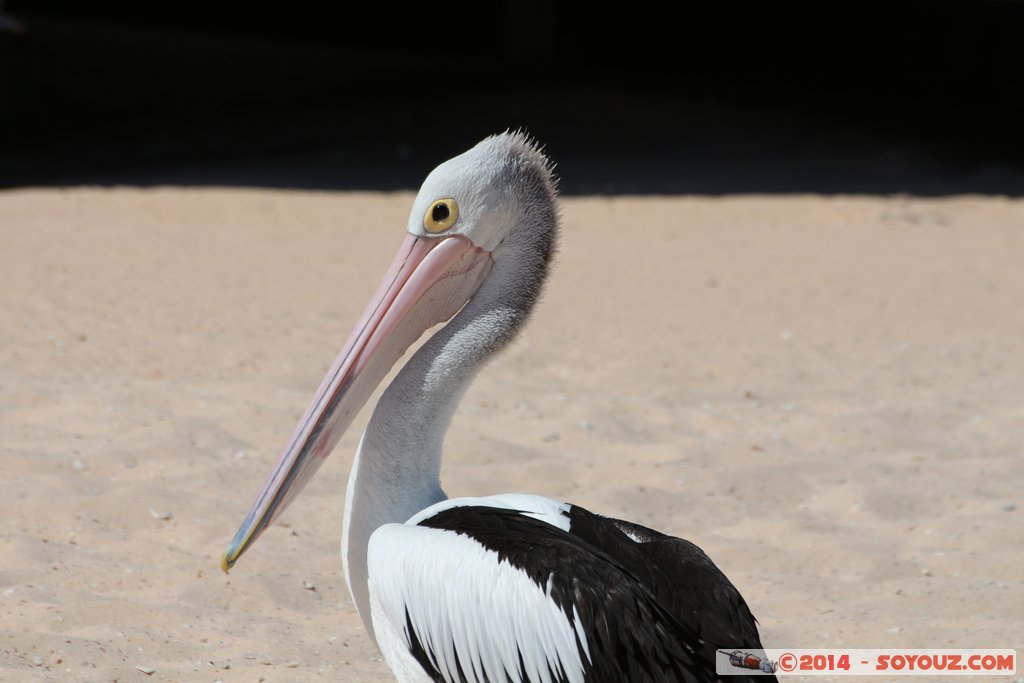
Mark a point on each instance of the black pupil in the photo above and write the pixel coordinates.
(440, 212)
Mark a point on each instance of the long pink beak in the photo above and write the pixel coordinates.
(430, 279)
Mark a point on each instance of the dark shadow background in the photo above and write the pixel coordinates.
(852, 97)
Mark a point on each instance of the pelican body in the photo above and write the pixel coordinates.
(511, 587)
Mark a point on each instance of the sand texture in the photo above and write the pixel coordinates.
(826, 394)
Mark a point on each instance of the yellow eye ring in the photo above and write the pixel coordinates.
(441, 215)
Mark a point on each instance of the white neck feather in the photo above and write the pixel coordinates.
(397, 468)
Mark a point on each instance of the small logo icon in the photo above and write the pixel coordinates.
(745, 660)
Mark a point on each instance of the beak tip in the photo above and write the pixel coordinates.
(225, 563)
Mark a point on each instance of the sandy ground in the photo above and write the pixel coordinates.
(826, 394)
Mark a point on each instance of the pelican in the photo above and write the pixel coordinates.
(511, 587)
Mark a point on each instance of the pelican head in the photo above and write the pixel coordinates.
(485, 193)
(482, 230)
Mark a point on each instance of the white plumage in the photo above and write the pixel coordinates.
(467, 600)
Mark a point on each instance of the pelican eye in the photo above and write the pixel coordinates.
(441, 215)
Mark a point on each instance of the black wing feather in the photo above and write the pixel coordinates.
(636, 630)
(679, 575)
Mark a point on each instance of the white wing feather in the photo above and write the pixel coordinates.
(460, 598)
